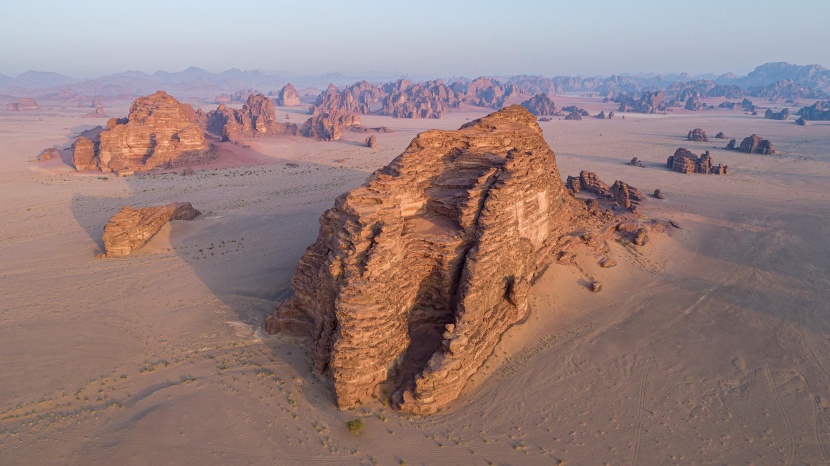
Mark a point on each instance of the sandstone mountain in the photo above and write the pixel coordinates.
(329, 125)
(288, 96)
(683, 161)
(541, 105)
(130, 228)
(158, 131)
(416, 274)
(256, 118)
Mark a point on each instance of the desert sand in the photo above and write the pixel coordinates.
(709, 345)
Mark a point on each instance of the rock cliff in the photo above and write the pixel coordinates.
(256, 118)
(541, 105)
(130, 228)
(756, 145)
(683, 161)
(416, 274)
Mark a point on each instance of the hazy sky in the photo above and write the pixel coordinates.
(83, 38)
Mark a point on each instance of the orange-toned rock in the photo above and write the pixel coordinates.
(411, 279)
(83, 154)
(756, 145)
(256, 118)
(130, 228)
(541, 105)
(371, 142)
(328, 126)
(49, 154)
(288, 96)
(683, 161)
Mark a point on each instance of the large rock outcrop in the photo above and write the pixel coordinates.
(288, 96)
(782, 115)
(756, 145)
(23, 103)
(541, 105)
(818, 111)
(130, 228)
(328, 126)
(416, 274)
(419, 100)
(683, 161)
(697, 135)
(256, 118)
(158, 131)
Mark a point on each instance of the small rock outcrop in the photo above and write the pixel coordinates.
(130, 228)
(635, 162)
(288, 97)
(588, 181)
(97, 113)
(256, 118)
(697, 135)
(626, 195)
(540, 105)
(659, 194)
(683, 161)
(601, 115)
(328, 126)
(573, 116)
(49, 154)
(371, 142)
(22, 104)
(158, 132)
(756, 145)
(693, 104)
(782, 115)
(411, 281)
(801, 121)
(720, 135)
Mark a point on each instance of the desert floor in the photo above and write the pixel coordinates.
(711, 345)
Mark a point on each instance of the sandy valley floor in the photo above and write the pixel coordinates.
(708, 346)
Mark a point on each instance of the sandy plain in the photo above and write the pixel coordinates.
(711, 345)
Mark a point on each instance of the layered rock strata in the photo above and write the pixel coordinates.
(683, 161)
(416, 274)
(130, 228)
(328, 126)
(158, 131)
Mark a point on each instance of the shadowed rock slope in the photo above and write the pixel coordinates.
(416, 275)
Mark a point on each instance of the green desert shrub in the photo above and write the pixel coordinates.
(355, 426)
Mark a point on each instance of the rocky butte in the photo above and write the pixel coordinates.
(288, 96)
(130, 228)
(541, 105)
(416, 274)
(256, 118)
(158, 131)
(683, 161)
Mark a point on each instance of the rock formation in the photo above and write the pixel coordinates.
(720, 135)
(96, 102)
(288, 96)
(756, 145)
(697, 135)
(23, 103)
(540, 105)
(97, 113)
(732, 145)
(626, 195)
(371, 141)
(818, 111)
(610, 115)
(411, 279)
(801, 121)
(419, 100)
(683, 161)
(333, 100)
(635, 162)
(328, 126)
(222, 99)
(693, 104)
(573, 116)
(130, 228)
(49, 154)
(782, 115)
(650, 102)
(159, 131)
(588, 181)
(256, 118)
(659, 194)
(601, 115)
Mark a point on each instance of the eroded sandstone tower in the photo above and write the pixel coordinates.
(416, 274)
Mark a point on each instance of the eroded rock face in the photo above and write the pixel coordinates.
(801, 121)
(693, 104)
(626, 195)
(158, 131)
(590, 182)
(371, 142)
(130, 228)
(697, 135)
(818, 111)
(541, 105)
(328, 126)
(419, 100)
(683, 161)
(288, 96)
(782, 115)
(256, 118)
(411, 279)
(756, 145)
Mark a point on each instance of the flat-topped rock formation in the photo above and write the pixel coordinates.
(256, 118)
(754, 145)
(818, 111)
(416, 274)
(720, 135)
(697, 135)
(22, 104)
(329, 126)
(158, 132)
(130, 228)
(782, 115)
(684, 161)
(288, 96)
(540, 105)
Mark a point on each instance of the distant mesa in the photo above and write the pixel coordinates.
(22, 104)
(288, 97)
(158, 132)
(97, 113)
(684, 161)
(328, 126)
(745, 105)
(697, 135)
(256, 118)
(818, 111)
(130, 228)
(693, 104)
(540, 105)
(752, 145)
(782, 115)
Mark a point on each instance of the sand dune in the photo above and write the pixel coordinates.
(707, 346)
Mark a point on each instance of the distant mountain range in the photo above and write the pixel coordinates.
(773, 80)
